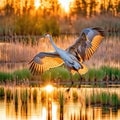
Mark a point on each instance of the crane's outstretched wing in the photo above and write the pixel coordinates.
(44, 61)
(88, 42)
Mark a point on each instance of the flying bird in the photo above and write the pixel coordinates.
(72, 57)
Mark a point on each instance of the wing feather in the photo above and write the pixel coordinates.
(44, 61)
(87, 43)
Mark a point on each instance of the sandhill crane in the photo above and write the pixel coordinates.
(73, 57)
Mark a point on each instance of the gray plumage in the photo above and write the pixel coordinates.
(73, 57)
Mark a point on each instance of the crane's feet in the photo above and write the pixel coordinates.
(68, 89)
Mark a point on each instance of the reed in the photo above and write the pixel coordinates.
(75, 96)
(20, 52)
(95, 99)
(9, 94)
(56, 73)
(43, 96)
(61, 99)
(2, 93)
(5, 77)
(22, 74)
(16, 97)
(24, 96)
(110, 71)
(115, 100)
(35, 93)
(103, 99)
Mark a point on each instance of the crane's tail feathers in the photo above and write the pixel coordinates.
(83, 70)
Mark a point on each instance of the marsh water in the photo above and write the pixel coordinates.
(41, 103)
(44, 103)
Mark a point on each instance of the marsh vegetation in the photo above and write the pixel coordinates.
(59, 104)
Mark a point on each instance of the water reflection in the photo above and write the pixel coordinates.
(56, 105)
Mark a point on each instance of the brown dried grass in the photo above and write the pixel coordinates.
(107, 53)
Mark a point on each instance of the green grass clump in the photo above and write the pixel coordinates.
(5, 77)
(56, 73)
(110, 71)
(100, 73)
(115, 101)
(90, 74)
(104, 99)
(17, 75)
(2, 93)
(95, 99)
(22, 74)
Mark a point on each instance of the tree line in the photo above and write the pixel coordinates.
(22, 18)
(48, 7)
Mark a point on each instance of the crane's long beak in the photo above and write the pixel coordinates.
(42, 36)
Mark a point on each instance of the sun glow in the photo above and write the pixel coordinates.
(49, 88)
(65, 4)
(37, 4)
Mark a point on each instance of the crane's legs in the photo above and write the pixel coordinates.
(68, 89)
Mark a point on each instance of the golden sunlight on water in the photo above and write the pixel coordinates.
(36, 103)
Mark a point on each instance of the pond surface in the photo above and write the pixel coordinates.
(28, 103)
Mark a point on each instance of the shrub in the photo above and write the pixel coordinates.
(29, 25)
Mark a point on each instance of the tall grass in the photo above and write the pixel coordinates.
(99, 74)
(56, 73)
(17, 76)
(22, 74)
(111, 72)
(107, 53)
(62, 74)
(5, 77)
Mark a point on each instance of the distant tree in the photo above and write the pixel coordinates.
(102, 9)
(8, 9)
(79, 8)
(110, 7)
(55, 6)
(92, 7)
(76, 8)
(84, 8)
(118, 8)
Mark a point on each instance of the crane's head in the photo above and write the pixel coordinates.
(47, 35)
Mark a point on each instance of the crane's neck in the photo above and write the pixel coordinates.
(53, 44)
